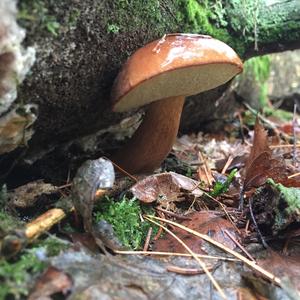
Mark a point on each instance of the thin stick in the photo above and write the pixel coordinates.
(147, 241)
(247, 261)
(159, 253)
(205, 168)
(239, 245)
(186, 271)
(294, 175)
(201, 263)
(64, 186)
(223, 206)
(122, 170)
(172, 214)
(229, 161)
(256, 226)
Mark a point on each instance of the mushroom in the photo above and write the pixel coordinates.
(161, 74)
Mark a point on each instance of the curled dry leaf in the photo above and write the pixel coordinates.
(261, 165)
(205, 222)
(164, 186)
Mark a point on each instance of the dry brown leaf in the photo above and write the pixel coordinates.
(261, 165)
(206, 222)
(260, 143)
(164, 186)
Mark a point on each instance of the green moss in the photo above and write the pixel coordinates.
(290, 196)
(260, 24)
(207, 17)
(7, 223)
(16, 276)
(258, 68)
(113, 28)
(132, 14)
(36, 12)
(124, 216)
(203, 18)
(278, 113)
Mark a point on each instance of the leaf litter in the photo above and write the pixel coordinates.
(206, 193)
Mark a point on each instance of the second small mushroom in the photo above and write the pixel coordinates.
(161, 74)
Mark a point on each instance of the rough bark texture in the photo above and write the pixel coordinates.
(80, 46)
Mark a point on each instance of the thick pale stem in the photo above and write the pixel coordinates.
(153, 140)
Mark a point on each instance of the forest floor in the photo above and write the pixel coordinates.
(220, 218)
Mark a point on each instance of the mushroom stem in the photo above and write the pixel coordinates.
(153, 140)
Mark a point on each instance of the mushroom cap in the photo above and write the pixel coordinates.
(175, 65)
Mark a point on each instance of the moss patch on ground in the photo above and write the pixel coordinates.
(125, 218)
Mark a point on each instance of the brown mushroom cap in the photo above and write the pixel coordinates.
(176, 65)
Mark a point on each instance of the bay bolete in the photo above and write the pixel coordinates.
(161, 74)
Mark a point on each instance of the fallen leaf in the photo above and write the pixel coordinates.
(205, 222)
(164, 186)
(261, 165)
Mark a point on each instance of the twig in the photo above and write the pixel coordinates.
(147, 241)
(122, 170)
(162, 253)
(294, 175)
(229, 161)
(201, 263)
(186, 271)
(238, 244)
(159, 253)
(205, 168)
(225, 211)
(247, 261)
(172, 214)
(256, 226)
